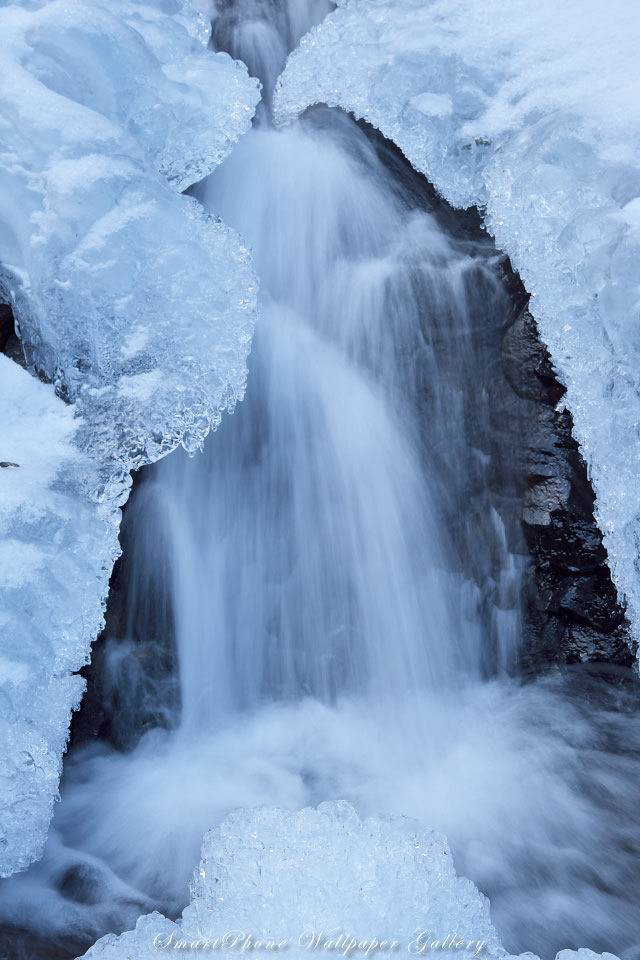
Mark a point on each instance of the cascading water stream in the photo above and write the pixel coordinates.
(308, 554)
(326, 563)
(344, 619)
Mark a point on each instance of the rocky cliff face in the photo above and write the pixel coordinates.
(537, 479)
(572, 610)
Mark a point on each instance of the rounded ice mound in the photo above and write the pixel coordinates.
(322, 881)
(289, 875)
(318, 877)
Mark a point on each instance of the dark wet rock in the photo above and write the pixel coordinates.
(82, 883)
(132, 679)
(7, 325)
(529, 466)
(9, 343)
(573, 613)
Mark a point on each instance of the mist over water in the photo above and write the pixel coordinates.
(339, 618)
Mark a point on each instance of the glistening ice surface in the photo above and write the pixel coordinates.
(55, 557)
(308, 878)
(137, 304)
(323, 882)
(532, 112)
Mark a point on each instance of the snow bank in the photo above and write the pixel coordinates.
(315, 881)
(531, 111)
(136, 304)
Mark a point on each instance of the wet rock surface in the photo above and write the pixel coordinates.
(572, 611)
(537, 478)
(9, 343)
(132, 679)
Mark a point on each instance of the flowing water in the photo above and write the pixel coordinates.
(325, 603)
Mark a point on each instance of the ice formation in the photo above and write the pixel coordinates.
(531, 111)
(283, 876)
(135, 303)
(322, 881)
(56, 551)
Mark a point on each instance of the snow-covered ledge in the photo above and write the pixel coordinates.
(136, 305)
(532, 112)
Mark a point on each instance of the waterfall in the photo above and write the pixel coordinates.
(309, 547)
(324, 604)
(309, 552)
